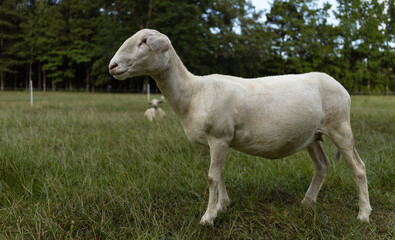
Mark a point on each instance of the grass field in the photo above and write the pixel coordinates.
(89, 166)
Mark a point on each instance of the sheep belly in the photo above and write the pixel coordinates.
(276, 137)
(271, 145)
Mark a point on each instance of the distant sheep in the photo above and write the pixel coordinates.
(271, 117)
(156, 112)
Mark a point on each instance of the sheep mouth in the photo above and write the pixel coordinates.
(114, 73)
(120, 75)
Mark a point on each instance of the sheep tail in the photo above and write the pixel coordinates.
(338, 156)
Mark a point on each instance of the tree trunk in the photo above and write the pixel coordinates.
(145, 85)
(39, 76)
(15, 81)
(1, 73)
(27, 77)
(45, 81)
(149, 14)
(367, 68)
(87, 81)
(1, 81)
(53, 86)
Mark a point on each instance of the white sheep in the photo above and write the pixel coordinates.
(272, 117)
(155, 112)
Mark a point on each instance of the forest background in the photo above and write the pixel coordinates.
(67, 44)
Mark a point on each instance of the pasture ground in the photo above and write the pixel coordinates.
(89, 166)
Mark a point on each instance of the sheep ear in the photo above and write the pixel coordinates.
(159, 43)
(150, 102)
(160, 101)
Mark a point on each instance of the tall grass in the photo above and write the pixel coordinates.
(89, 166)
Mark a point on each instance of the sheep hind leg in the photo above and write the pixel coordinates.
(343, 138)
(223, 198)
(321, 164)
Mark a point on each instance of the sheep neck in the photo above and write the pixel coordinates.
(175, 84)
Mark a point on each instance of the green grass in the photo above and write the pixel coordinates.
(89, 166)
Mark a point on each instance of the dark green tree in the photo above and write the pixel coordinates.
(286, 22)
(70, 42)
(348, 12)
(83, 24)
(55, 58)
(10, 19)
(371, 38)
(388, 60)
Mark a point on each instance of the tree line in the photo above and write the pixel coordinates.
(67, 44)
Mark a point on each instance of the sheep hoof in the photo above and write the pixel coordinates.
(207, 219)
(308, 203)
(207, 223)
(363, 216)
(222, 205)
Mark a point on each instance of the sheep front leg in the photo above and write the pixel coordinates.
(218, 148)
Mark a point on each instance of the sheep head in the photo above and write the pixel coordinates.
(155, 103)
(145, 53)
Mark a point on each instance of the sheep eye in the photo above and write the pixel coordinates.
(143, 42)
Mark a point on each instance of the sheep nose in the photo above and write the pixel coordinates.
(112, 66)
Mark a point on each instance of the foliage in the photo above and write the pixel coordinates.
(10, 19)
(70, 42)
